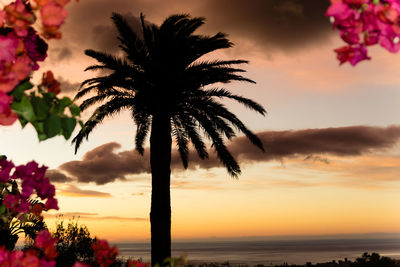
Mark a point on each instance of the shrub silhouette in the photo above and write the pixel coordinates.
(74, 244)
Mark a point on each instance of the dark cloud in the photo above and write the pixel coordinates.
(105, 35)
(74, 191)
(68, 87)
(284, 25)
(56, 176)
(64, 53)
(104, 164)
(59, 52)
(273, 24)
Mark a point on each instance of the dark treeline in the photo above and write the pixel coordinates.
(366, 260)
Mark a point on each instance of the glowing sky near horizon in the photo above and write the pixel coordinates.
(301, 86)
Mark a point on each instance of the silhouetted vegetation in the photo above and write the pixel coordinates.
(74, 244)
(366, 260)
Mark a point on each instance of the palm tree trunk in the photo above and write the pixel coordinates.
(160, 214)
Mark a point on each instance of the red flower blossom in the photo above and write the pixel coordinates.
(7, 116)
(52, 84)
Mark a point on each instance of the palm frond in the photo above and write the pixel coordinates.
(108, 109)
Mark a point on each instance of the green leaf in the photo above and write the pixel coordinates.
(39, 127)
(24, 109)
(2, 209)
(62, 104)
(52, 125)
(68, 126)
(18, 91)
(41, 108)
(22, 121)
(75, 110)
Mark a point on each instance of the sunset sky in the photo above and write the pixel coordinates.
(331, 135)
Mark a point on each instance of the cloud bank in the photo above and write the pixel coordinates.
(106, 164)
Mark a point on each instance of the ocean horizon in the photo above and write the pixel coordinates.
(269, 252)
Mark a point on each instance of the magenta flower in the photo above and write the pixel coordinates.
(45, 190)
(8, 79)
(19, 17)
(8, 47)
(22, 67)
(371, 38)
(352, 54)
(4, 256)
(53, 15)
(339, 11)
(5, 169)
(11, 201)
(35, 47)
(350, 37)
(46, 242)
(390, 42)
(3, 17)
(7, 116)
(51, 204)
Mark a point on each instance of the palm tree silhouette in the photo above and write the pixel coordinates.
(166, 87)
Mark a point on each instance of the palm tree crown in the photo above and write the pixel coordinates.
(162, 74)
(167, 88)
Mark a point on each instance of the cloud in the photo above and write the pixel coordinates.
(283, 25)
(68, 87)
(74, 191)
(102, 165)
(274, 24)
(105, 164)
(56, 176)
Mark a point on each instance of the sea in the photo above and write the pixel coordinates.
(269, 252)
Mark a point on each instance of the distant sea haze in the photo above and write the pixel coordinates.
(270, 252)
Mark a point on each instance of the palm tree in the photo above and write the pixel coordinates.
(166, 86)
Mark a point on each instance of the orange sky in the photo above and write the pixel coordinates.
(301, 86)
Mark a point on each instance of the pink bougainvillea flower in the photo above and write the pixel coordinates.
(3, 17)
(390, 42)
(11, 201)
(31, 260)
(46, 242)
(51, 203)
(356, 2)
(80, 264)
(352, 54)
(340, 11)
(5, 169)
(19, 17)
(387, 14)
(4, 256)
(8, 47)
(44, 263)
(53, 15)
(104, 255)
(7, 116)
(44, 189)
(52, 84)
(8, 79)
(16, 258)
(35, 47)
(350, 37)
(22, 67)
(371, 38)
